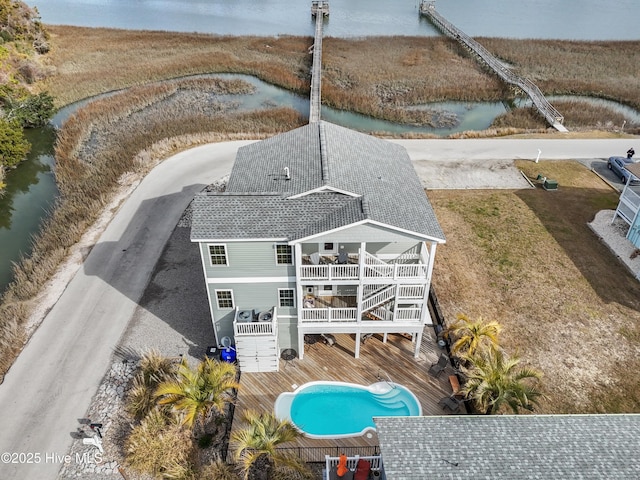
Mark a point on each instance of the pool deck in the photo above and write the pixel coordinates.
(258, 391)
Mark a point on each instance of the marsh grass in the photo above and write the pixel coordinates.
(608, 70)
(376, 76)
(137, 58)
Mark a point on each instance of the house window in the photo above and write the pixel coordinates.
(286, 297)
(328, 247)
(284, 255)
(218, 255)
(224, 298)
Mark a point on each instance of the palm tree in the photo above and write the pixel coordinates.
(495, 380)
(472, 335)
(198, 393)
(255, 445)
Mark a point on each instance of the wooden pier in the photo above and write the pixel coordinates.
(319, 9)
(552, 116)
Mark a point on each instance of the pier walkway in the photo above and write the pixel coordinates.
(553, 117)
(319, 9)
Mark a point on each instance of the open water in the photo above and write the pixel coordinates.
(561, 19)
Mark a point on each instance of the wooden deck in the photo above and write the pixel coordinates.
(392, 360)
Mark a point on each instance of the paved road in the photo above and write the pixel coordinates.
(52, 382)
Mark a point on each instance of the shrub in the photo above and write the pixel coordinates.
(217, 470)
(161, 447)
(33, 110)
(153, 370)
(13, 146)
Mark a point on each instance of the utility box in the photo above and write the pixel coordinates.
(549, 184)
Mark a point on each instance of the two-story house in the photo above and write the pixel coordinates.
(321, 230)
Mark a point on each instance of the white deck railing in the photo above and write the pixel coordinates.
(411, 291)
(373, 268)
(409, 313)
(329, 315)
(379, 298)
(254, 328)
(352, 462)
(629, 205)
(329, 272)
(250, 327)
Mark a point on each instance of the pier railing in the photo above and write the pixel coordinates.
(551, 115)
(319, 9)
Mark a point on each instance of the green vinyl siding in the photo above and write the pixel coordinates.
(379, 248)
(365, 233)
(247, 259)
(248, 296)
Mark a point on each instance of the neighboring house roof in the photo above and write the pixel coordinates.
(634, 168)
(510, 446)
(336, 177)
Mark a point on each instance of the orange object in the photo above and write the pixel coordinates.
(342, 466)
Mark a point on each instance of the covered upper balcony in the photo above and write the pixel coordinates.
(364, 266)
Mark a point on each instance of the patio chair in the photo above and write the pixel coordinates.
(315, 258)
(343, 257)
(363, 470)
(450, 403)
(437, 368)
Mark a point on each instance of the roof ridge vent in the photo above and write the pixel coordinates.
(365, 206)
(324, 159)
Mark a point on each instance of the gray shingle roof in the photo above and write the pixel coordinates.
(317, 156)
(548, 447)
(270, 215)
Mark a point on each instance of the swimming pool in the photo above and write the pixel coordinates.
(337, 409)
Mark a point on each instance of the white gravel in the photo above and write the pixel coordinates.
(614, 236)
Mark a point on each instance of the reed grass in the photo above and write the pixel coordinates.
(608, 70)
(373, 76)
(87, 68)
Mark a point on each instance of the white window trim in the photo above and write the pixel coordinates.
(293, 296)
(275, 250)
(226, 254)
(233, 300)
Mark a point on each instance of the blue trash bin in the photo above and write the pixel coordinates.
(228, 355)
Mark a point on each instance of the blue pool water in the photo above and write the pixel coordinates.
(334, 409)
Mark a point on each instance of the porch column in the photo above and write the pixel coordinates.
(424, 313)
(357, 344)
(363, 246)
(297, 249)
(418, 339)
(300, 343)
